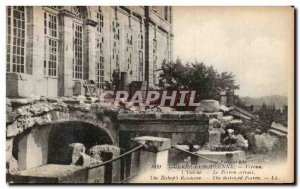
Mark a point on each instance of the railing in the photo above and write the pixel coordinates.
(117, 158)
(258, 158)
(197, 155)
(215, 161)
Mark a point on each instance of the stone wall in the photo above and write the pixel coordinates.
(29, 122)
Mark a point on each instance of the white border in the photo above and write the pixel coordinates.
(295, 3)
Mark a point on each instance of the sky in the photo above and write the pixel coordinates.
(255, 44)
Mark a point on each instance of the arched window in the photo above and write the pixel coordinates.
(16, 41)
(77, 27)
(77, 13)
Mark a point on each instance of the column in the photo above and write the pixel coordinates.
(154, 155)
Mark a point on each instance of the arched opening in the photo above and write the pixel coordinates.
(64, 134)
(47, 144)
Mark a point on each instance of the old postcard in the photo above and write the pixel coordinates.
(149, 94)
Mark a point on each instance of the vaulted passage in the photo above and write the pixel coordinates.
(48, 144)
(64, 134)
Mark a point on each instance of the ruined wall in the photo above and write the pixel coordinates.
(29, 122)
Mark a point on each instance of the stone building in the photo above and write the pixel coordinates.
(53, 50)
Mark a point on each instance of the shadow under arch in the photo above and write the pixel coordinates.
(63, 134)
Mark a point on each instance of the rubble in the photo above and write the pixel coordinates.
(11, 165)
(95, 151)
(21, 101)
(165, 109)
(208, 106)
(226, 119)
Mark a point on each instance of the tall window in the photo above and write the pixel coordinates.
(140, 66)
(154, 46)
(116, 30)
(154, 59)
(51, 44)
(168, 48)
(100, 20)
(77, 51)
(116, 55)
(16, 39)
(100, 72)
(129, 39)
(99, 61)
(154, 69)
(140, 41)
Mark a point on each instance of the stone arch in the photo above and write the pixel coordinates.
(20, 128)
(66, 133)
(83, 10)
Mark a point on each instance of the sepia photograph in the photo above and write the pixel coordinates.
(150, 94)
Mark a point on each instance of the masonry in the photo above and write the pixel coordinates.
(40, 130)
(52, 50)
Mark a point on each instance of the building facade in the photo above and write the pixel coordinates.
(54, 50)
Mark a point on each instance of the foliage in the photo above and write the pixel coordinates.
(115, 83)
(268, 114)
(205, 80)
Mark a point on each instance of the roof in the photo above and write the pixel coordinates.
(241, 113)
(279, 128)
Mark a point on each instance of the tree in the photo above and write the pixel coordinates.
(115, 83)
(205, 80)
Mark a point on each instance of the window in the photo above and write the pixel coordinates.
(116, 54)
(154, 46)
(99, 62)
(100, 20)
(77, 51)
(129, 39)
(100, 72)
(116, 30)
(168, 48)
(51, 44)
(154, 69)
(16, 39)
(140, 41)
(100, 44)
(77, 13)
(141, 66)
(129, 21)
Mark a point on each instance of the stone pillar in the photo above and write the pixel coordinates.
(112, 170)
(154, 155)
(65, 67)
(89, 49)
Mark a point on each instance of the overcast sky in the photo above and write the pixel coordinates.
(253, 43)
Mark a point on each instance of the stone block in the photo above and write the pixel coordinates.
(21, 101)
(214, 137)
(95, 151)
(225, 156)
(19, 85)
(208, 106)
(96, 175)
(74, 151)
(154, 144)
(226, 119)
(11, 165)
(214, 123)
